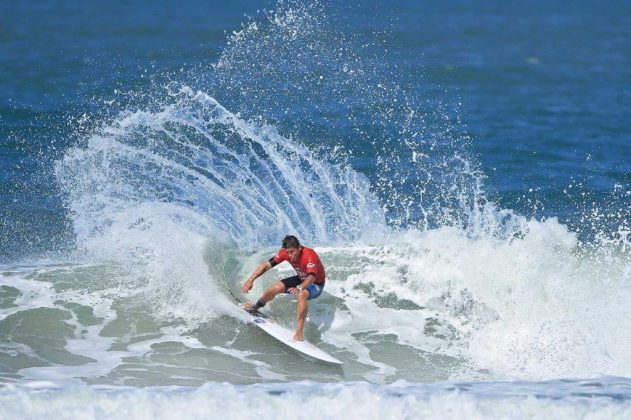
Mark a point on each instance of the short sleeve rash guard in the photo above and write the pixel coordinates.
(308, 263)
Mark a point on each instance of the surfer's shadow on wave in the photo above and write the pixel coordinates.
(321, 314)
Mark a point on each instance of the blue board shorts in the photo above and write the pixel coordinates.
(315, 290)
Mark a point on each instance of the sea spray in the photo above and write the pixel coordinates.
(298, 70)
(195, 172)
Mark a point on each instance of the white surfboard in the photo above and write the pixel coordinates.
(286, 337)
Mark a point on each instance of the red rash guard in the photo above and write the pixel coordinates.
(308, 263)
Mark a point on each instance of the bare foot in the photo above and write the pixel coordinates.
(249, 306)
(299, 337)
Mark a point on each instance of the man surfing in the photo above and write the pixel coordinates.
(307, 284)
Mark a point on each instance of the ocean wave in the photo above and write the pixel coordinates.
(602, 398)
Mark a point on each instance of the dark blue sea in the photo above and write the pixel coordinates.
(462, 168)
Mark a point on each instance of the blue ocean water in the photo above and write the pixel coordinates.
(463, 169)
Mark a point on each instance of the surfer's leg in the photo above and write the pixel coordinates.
(270, 293)
(280, 286)
(303, 306)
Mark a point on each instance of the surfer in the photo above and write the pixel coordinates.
(307, 284)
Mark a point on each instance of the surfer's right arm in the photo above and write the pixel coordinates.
(260, 270)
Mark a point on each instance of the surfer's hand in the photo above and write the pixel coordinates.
(293, 290)
(247, 286)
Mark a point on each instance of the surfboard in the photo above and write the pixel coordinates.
(285, 336)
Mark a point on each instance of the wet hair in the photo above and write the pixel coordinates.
(290, 241)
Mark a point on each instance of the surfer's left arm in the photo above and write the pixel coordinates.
(310, 279)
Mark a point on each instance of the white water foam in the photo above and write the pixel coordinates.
(532, 307)
(305, 400)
